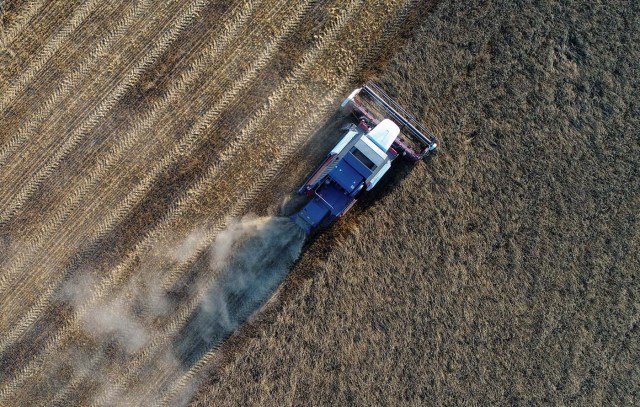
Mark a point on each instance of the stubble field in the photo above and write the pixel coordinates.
(134, 135)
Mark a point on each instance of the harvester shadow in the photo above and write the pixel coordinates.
(400, 169)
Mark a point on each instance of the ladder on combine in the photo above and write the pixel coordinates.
(325, 168)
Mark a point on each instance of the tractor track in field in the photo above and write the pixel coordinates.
(34, 313)
(30, 316)
(144, 121)
(191, 195)
(30, 32)
(21, 21)
(106, 165)
(22, 110)
(48, 51)
(90, 73)
(63, 89)
(50, 166)
(49, 255)
(116, 89)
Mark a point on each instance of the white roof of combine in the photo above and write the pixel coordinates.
(384, 134)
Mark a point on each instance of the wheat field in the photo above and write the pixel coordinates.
(143, 144)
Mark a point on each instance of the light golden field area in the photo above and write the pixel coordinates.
(143, 143)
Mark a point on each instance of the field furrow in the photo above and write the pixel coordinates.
(205, 122)
(124, 205)
(50, 79)
(103, 89)
(17, 55)
(22, 20)
(88, 151)
(18, 198)
(47, 52)
(325, 43)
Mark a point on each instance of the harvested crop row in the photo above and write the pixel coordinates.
(33, 28)
(53, 84)
(15, 14)
(13, 19)
(53, 163)
(226, 167)
(72, 31)
(104, 90)
(88, 151)
(280, 93)
(122, 206)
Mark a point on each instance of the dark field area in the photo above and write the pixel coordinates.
(505, 270)
(145, 147)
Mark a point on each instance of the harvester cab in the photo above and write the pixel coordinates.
(380, 132)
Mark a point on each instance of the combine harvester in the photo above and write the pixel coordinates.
(362, 157)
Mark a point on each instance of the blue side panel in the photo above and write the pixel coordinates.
(335, 194)
(335, 197)
(346, 176)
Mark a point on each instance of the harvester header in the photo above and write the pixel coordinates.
(372, 103)
(380, 131)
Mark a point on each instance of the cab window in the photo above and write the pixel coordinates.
(363, 158)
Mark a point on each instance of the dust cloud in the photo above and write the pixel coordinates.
(252, 256)
(246, 263)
